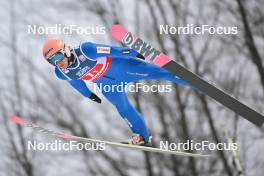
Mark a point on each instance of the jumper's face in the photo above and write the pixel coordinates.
(61, 58)
(64, 63)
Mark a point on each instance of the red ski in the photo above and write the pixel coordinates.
(158, 58)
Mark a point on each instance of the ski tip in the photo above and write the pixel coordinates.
(116, 27)
(118, 31)
(18, 120)
(68, 137)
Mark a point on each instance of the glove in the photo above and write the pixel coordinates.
(95, 98)
(140, 56)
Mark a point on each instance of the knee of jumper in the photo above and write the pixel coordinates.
(134, 120)
(123, 109)
(131, 116)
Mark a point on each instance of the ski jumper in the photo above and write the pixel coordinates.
(110, 65)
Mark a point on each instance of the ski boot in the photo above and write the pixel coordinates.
(137, 139)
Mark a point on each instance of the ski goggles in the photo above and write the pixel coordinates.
(57, 57)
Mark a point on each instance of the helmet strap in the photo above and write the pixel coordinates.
(67, 50)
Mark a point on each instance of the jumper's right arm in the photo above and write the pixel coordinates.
(80, 86)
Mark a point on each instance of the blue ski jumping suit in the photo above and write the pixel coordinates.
(111, 65)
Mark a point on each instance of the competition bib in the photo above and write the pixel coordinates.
(85, 68)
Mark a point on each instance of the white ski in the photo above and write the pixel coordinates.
(23, 122)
